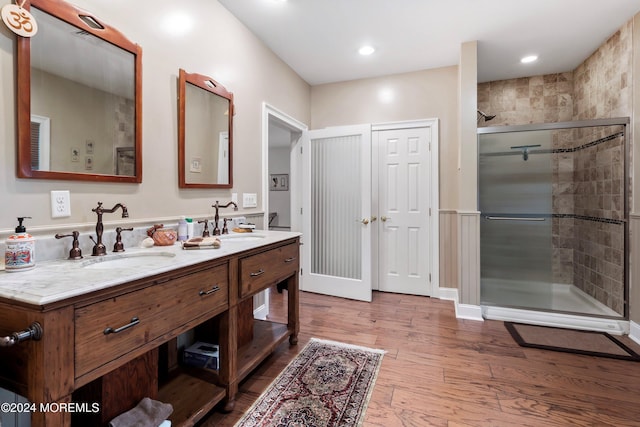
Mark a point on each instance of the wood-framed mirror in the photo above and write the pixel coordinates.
(79, 98)
(205, 132)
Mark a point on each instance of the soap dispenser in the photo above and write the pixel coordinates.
(20, 251)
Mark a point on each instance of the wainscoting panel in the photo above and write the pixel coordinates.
(448, 248)
(469, 256)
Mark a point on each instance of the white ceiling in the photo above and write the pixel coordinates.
(319, 39)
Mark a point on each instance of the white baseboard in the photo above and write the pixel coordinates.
(634, 331)
(450, 294)
(468, 311)
(463, 311)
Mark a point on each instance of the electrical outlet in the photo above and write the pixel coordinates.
(60, 204)
(249, 200)
(234, 198)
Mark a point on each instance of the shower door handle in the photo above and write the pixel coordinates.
(511, 218)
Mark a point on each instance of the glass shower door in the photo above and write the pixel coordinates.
(554, 217)
(515, 198)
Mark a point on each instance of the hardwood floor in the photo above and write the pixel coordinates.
(441, 371)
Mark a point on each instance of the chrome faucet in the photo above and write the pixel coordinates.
(99, 248)
(216, 218)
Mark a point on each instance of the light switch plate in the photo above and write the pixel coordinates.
(60, 204)
(234, 198)
(249, 200)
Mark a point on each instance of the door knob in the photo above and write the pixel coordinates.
(365, 221)
(384, 218)
(373, 218)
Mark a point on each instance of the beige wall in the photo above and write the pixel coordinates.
(409, 96)
(218, 46)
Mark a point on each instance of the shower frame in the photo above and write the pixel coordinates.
(619, 121)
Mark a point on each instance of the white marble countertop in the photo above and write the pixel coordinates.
(52, 281)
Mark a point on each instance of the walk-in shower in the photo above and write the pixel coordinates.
(553, 229)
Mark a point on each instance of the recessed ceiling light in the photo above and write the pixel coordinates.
(529, 58)
(366, 50)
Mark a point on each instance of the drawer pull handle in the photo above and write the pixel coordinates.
(210, 291)
(134, 321)
(258, 273)
(290, 259)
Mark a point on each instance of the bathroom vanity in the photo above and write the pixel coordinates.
(110, 326)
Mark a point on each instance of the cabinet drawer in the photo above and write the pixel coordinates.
(109, 329)
(265, 269)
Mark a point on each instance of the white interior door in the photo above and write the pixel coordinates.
(404, 201)
(337, 208)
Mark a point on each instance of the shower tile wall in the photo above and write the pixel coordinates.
(588, 206)
(598, 88)
(586, 252)
(124, 132)
(538, 99)
(602, 83)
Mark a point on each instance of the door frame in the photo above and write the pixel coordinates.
(435, 195)
(269, 112)
(295, 189)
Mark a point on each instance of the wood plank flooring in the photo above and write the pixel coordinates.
(441, 371)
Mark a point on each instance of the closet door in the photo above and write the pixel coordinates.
(404, 200)
(337, 212)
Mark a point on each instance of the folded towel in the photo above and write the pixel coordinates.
(201, 242)
(148, 413)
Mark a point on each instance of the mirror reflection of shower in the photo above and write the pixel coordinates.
(525, 150)
(486, 117)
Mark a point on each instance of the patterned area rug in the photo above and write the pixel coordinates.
(327, 384)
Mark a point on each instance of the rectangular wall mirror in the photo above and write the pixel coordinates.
(79, 98)
(205, 133)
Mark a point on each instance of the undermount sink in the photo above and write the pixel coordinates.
(241, 237)
(128, 260)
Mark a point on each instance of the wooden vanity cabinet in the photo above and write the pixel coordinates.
(154, 312)
(259, 271)
(264, 269)
(100, 344)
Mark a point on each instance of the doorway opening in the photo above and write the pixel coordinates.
(281, 138)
